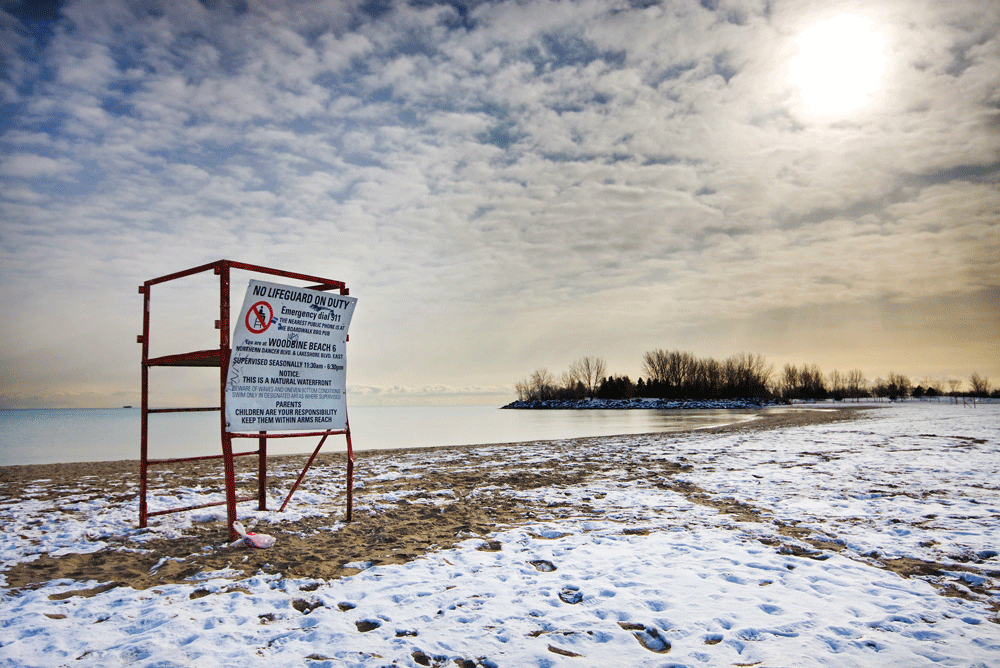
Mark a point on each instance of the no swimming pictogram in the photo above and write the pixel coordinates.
(259, 317)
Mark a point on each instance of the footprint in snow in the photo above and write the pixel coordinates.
(366, 625)
(571, 594)
(304, 606)
(750, 634)
(425, 660)
(563, 652)
(543, 565)
(648, 636)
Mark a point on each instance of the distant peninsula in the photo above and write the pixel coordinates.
(678, 380)
(636, 403)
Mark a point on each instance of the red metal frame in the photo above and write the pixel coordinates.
(220, 357)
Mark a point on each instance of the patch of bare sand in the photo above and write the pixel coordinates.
(319, 547)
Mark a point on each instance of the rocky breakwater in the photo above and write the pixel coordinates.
(641, 404)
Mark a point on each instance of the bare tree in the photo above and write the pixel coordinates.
(655, 365)
(746, 376)
(880, 388)
(673, 369)
(932, 388)
(788, 382)
(953, 386)
(811, 378)
(589, 371)
(838, 385)
(980, 385)
(804, 383)
(566, 379)
(856, 383)
(713, 375)
(523, 390)
(542, 384)
(680, 368)
(898, 386)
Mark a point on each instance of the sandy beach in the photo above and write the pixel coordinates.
(304, 548)
(72, 539)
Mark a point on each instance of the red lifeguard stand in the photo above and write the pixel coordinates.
(219, 357)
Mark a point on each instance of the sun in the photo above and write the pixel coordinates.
(839, 65)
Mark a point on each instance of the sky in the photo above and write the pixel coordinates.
(504, 186)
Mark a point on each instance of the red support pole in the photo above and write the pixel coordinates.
(144, 425)
(230, 473)
(227, 441)
(262, 471)
(303, 474)
(350, 470)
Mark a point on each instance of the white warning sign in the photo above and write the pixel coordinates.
(287, 368)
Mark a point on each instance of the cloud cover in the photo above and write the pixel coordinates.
(504, 185)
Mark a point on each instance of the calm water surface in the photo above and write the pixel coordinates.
(90, 435)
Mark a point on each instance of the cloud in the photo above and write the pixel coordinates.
(29, 165)
(390, 395)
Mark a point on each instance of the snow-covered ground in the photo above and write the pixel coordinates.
(872, 542)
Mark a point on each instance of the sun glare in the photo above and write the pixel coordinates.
(839, 65)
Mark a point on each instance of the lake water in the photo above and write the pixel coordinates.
(91, 435)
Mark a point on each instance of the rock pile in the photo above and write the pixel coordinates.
(622, 404)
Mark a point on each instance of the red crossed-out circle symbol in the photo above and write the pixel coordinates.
(259, 317)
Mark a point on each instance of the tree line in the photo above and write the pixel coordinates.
(677, 375)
